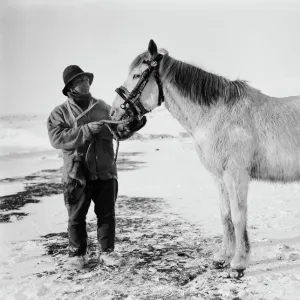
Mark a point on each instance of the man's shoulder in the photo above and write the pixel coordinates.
(59, 109)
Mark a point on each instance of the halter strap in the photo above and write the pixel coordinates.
(132, 99)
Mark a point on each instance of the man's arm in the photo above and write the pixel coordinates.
(62, 136)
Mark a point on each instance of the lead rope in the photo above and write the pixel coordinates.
(107, 124)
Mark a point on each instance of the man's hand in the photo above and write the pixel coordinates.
(95, 127)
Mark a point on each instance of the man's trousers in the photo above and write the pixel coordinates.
(104, 195)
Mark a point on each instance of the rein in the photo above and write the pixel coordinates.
(107, 123)
(132, 99)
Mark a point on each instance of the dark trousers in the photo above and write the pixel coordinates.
(104, 194)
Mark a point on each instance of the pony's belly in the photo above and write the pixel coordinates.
(276, 167)
(276, 176)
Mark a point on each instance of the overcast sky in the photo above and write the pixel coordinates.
(253, 40)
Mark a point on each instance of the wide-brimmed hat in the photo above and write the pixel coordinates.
(71, 72)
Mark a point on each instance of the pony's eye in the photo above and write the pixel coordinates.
(135, 76)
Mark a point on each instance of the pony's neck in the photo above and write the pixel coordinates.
(194, 96)
(192, 93)
(187, 113)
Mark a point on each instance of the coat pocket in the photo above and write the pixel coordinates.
(75, 170)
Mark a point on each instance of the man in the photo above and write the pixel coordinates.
(71, 127)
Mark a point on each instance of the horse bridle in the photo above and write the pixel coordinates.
(132, 101)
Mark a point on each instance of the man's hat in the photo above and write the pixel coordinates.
(70, 73)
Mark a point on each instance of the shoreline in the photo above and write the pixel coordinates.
(41, 184)
(166, 255)
(45, 183)
(167, 228)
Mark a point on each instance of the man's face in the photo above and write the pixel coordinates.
(81, 84)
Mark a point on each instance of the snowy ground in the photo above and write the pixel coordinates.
(168, 224)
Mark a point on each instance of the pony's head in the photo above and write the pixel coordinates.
(142, 91)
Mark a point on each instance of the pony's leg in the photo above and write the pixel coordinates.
(224, 256)
(237, 182)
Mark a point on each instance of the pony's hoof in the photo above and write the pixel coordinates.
(219, 264)
(237, 273)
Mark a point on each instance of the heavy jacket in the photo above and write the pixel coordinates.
(65, 135)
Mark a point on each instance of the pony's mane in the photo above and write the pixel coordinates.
(196, 84)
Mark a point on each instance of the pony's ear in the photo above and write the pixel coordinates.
(152, 49)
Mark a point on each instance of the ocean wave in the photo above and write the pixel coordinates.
(22, 134)
(21, 140)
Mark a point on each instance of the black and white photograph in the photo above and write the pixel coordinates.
(150, 150)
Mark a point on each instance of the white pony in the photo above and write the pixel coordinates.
(240, 134)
